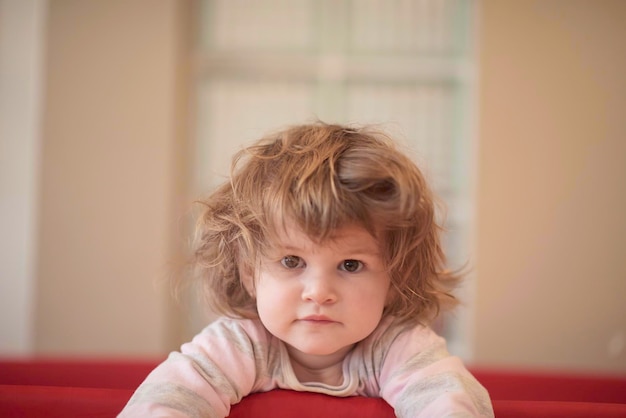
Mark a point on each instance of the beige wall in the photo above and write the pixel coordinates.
(552, 198)
(551, 229)
(111, 176)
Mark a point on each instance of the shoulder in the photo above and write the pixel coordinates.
(227, 325)
(393, 334)
(419, 374)
(399, 346)
(394, 343)
(242, 334)
(393, 346)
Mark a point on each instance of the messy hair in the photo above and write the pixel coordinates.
(320, 177)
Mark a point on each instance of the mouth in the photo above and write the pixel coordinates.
(318, 319)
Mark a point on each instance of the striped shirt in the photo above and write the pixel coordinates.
(407, 366)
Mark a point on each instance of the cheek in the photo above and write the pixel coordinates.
(275, 308)
(380, 291)
(368, 303)
(269, 296)
(266, 300)
(367, 313)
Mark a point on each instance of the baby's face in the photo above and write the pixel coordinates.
(321, 299)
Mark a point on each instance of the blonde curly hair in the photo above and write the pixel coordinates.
(321, 177)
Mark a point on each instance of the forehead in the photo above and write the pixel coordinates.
(351, 237)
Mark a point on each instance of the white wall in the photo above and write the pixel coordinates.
(21, 68)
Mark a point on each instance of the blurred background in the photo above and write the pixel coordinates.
(116, 115)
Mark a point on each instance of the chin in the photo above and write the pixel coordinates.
(320, 352)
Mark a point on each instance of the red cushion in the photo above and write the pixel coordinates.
(112, 374)
(552, 386)
(290, 404)
(101, 388)
(37, 401)
(129, 373)
(54, 401)
(552, 409)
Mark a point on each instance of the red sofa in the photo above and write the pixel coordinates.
(99, 388)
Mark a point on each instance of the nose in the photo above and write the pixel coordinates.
(319, 288)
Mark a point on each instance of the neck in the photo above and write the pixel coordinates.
(327, 369)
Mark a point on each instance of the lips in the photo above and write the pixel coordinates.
(318, 319)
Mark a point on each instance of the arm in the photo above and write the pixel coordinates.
(419, 378)
(215, 370)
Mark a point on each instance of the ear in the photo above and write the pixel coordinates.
(392, 293)
(247, 280)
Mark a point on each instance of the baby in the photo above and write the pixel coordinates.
(322, 253)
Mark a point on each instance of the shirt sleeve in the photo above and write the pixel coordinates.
(419, 378)
(215, 370)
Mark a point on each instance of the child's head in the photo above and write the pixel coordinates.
(318, 178)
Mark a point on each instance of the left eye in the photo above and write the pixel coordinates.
(351, 266)
(292, 261)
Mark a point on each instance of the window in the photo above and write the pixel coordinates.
(405, 64)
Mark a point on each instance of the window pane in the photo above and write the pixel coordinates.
(247, 25)
(236, 112)
(421, 114)
(404, 64)
(405, 26)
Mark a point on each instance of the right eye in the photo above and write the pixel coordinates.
(292, 262)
